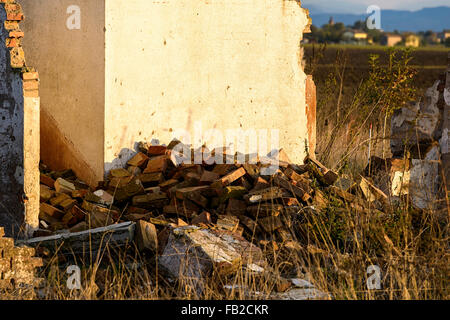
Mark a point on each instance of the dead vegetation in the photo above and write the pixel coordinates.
(161, 229)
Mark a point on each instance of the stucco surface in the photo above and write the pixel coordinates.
(222, 64)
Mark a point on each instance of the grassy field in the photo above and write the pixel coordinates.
(429, 62)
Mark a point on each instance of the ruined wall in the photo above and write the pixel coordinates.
(311, 115)
(19, 128)
(138, 70)
(420, 133)
(17, 265)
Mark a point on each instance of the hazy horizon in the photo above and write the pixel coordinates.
(360, 6)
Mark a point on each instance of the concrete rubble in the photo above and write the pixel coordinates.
(419, 143)
(192, 253)
(211, 219)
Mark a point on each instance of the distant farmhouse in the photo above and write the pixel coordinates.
(444, 35)
(412, 40)
(391, 39)
(358, 36)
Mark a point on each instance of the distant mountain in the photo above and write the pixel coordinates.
(435, 19)
(314, 9)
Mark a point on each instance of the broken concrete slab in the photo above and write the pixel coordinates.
(301, 294)
(418, 124)
(425, 179)
(193, 253)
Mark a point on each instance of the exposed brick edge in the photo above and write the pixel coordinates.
(308, 26)
(17, 265)
(311, 115)
(14, 15)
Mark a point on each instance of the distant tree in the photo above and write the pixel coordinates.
(315, 36)
(332, 33)
(428, 33)
(447, 42)
(359, 25)
(375, 35)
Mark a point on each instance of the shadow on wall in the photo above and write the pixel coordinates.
(59, 153)
(121, 161)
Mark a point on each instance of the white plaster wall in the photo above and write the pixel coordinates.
(228, 64)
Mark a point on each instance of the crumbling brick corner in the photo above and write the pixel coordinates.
(17, 266)
(19, 130)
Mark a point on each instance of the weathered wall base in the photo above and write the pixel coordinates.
(17, 266)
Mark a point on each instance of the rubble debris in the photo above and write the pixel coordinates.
(192, 253)
(371, 192)
(146, 236)
(295, 289)
(231, 197)
(200, 219)
(424, 180)
(419, 144)
(64, 186)
(17, 265)
(301, 294)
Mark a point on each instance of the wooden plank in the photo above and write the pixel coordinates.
(116, 235)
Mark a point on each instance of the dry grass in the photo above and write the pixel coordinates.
(336, 244)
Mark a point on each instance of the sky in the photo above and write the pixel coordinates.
(360, 6)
